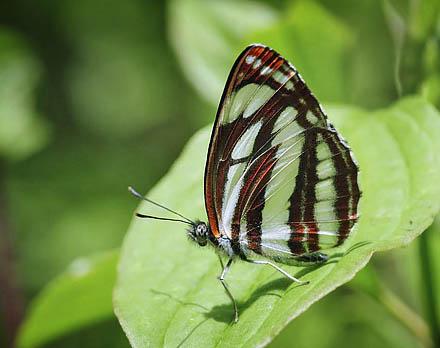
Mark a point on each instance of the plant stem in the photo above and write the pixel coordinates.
(405, 315)
(428, 283)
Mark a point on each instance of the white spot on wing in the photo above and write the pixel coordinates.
(326, 169)
(276, 231)
(250, 59)
(238, 102)
(256, 64)
(262, 95)
(325, 190)
(289, 86)
(323, 152)
(266, 70)
(245, 144)
(327, 234)
(284, 118)
(311, 117)
(274, 238)
(273, 249)
(279, 77)
(232, 177)
(233, 185)
(324, 211)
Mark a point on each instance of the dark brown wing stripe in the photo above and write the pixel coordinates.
(251, 170)
(346, 188)
(304, 191)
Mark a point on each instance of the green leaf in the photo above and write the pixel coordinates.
(167, 291)
(106, 334)
(206, 36)
(80, 297)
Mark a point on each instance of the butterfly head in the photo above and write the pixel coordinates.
(199, 233)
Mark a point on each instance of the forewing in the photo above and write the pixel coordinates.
(245, 82)
(279, 179)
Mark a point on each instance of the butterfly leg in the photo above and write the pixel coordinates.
(221, 261)
(222, 279)
(264, 262)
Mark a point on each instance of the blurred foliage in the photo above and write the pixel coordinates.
(105, 334)
(79, 297)
(434, 243)
(207, 36)
(77, 203)
(115, 82)
(73, 193)
(398, 271)
(96, 96)
(22, 130)
(346, 319)
(312, 23)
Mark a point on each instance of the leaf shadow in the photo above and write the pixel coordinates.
(225, 312)
(183, 303)
(192, 331)
(337, 256)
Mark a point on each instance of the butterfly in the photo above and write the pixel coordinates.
(281, 184)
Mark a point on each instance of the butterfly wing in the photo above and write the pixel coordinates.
(279, 179)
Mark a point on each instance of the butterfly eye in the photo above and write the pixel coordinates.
(201, 229)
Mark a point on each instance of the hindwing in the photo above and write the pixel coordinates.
(279, 180)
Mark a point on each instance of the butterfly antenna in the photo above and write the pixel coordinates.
(133, 192)
(162, 218)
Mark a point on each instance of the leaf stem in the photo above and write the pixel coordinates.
(395, 306)
(405, 315)
(428, 284)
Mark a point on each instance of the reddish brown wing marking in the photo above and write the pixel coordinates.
(224, 137)
(211, 169)
(260, 66)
